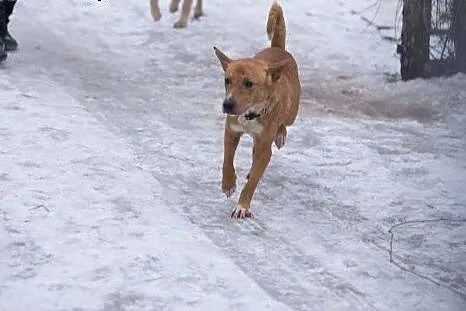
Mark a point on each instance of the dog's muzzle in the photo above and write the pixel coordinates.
(229, 105)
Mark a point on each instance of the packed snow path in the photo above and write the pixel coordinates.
(110, 157)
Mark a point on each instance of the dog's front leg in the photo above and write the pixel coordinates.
(261, 158)
(155, 10)
(230, 143)
(183, 20)
(174, 6)
(198, 10)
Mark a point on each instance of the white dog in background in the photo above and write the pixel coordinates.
(185, 10)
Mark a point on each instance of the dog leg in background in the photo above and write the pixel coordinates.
(198, 10)
(185, 10)
(174, 5)
(261, 159)
(230, 142)
(155, 10)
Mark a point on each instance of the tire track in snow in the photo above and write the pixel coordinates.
(283, 269)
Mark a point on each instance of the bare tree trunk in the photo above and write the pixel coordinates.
(415, 38)
(459, 29)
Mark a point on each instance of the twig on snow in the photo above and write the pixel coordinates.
(392, 261)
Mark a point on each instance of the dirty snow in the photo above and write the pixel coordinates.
(111, 148)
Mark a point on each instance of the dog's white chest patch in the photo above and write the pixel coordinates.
(251, 127)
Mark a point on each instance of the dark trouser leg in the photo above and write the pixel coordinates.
(9, 6)
(10, 42)
(2, 30)
(3, 18)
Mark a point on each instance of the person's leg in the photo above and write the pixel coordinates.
(10, 43)
(3, 31)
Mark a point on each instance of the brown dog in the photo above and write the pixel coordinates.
(185, 10)
(262, 99)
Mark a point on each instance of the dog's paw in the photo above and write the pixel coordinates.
(280, 138)
(241, 212)
(229, 186)
(156, 16)
(180, 24)
(173, 6)
(229, 190)
(228, 182)
(197, 15)
(280, 141)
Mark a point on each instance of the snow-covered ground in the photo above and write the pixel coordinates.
(110, 157)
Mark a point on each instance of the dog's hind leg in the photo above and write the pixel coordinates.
(155, 10)
(174, 6)
(185, 10)
(198, 10)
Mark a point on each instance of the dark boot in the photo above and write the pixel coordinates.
(3, 54)
(2, 31)
(10, 43)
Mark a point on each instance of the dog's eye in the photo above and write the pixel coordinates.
(248, 83)
(227, 81)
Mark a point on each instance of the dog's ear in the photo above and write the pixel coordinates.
(275, 70)
(224, 60)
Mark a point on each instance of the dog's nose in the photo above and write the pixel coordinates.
(229, 104)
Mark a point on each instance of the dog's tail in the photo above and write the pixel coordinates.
(276, 29)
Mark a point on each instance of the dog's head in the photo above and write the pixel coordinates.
(248, 83)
